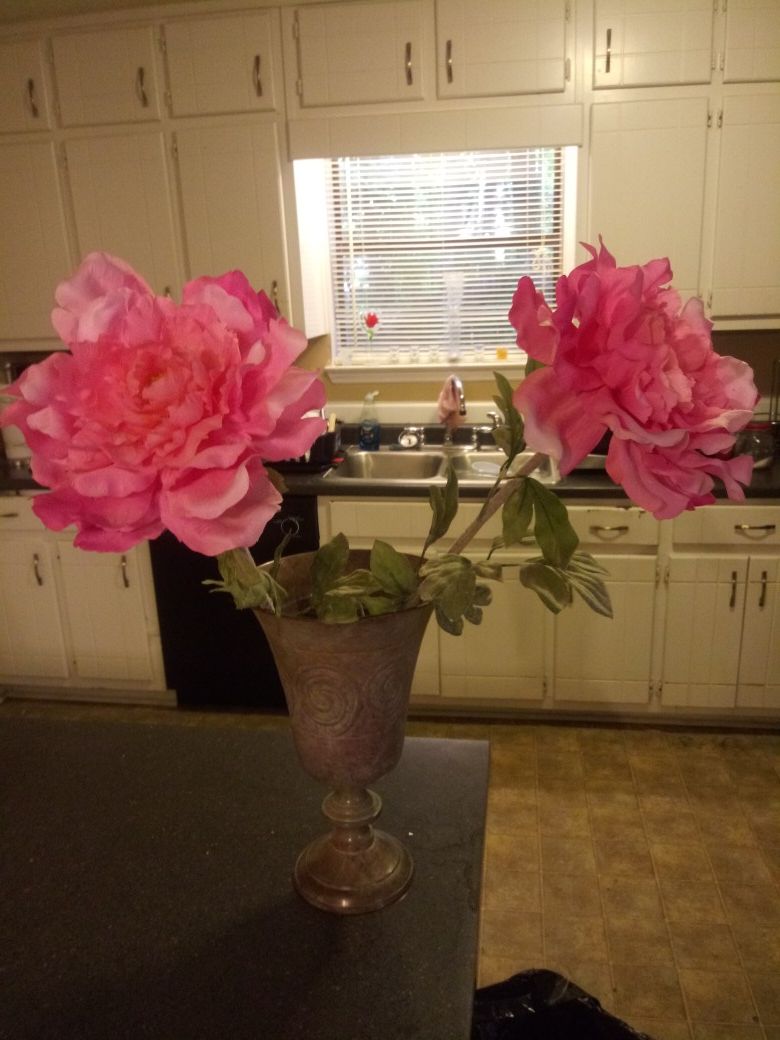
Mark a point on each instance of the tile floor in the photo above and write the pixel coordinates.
(642, 863)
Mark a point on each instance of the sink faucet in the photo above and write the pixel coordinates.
(452, 405)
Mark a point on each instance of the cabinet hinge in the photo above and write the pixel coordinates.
(168, 100)
(567, 11)
(567, 69)
(666, 574)
(709, 300)
(721, 60)
(161, 42)
(544, 685)
(296, 29)
(709, 119)
(174, 147)
(299, 87)
(720, 118)
(63, 158)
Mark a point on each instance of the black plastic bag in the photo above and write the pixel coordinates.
(542, 1005)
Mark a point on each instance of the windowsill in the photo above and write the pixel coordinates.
(421, 373)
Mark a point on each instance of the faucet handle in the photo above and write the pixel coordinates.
(495, 420)
(477, 432)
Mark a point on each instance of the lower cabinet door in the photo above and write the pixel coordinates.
(607, 660)
(31, 639)
(503, 657)
(705, 606)
(759, 659)
(105, 613)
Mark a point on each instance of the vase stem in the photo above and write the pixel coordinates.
(352, 811)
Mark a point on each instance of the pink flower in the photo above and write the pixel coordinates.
(161, 415)
(623, 356)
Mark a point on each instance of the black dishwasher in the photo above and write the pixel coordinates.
(216, 656)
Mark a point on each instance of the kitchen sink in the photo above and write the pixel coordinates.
(429, 465)
(390, 465)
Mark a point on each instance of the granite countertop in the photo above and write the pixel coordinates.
(585, 484)
(146, 889)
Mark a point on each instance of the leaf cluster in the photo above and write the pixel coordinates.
(249, 586)
(340, 596)
(450, 583)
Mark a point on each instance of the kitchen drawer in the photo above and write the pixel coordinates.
(742, 526)
(614, 525)
(16, 514)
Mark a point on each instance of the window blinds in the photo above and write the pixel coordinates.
(433, 245)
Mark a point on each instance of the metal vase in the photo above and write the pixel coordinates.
(347, 689)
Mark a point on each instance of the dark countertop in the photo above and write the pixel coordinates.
(584, 484)
(146, 889)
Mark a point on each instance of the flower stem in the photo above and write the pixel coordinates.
(495, 502)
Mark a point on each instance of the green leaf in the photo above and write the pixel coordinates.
(454, 628)
(493, 571)
(338, 610)
(552, 528)
(444, 505)
(392, 571)
(517, 514)
(585, 577)
(250, 587)
(473, 615)
(531, 365)
(548, 583)
(509, 435)
(328, 565)
(483, 596)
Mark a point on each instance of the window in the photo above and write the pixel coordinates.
(426, 251)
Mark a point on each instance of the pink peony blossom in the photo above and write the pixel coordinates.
(621, 355)
(161, 415)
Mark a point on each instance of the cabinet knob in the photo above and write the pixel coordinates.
(256, 76)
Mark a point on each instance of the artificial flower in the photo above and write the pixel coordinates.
(621, 354)
(162, 415)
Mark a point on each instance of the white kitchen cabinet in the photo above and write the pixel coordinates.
(358, 53)
(504, 657)
(638, 149)
(608, 660)
(746, 268)
(123, 204)
(752, 51)
(487, 48)
(107, 75)
(32, 643)
(640, 43)
(222, 63)
(34, 249)
(705, 604)
(758, 683)
(24, 92)
(106, 614)
(232, 206)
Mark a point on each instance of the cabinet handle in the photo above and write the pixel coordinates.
(609, 51)
(123, 565)
(408, 63)
(31, 103)
(449, 61)
(140, 89)
(275, 295)
(762, 594)
(768, 528)
(608, 529)
(733, 597)
(9, 516)
(256, 76)
(36, 569)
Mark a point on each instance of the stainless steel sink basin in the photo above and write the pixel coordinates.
(429, 465)
(482, 466)
(390, 465)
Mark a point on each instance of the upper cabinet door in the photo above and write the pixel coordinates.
(222, 64)
(746, 273)
(647, 163)
(106, 76)
(24, 97)
(752, 41)
(122, 203)
(487, 48)
(34, 253)
(652, 42)
(360, 53)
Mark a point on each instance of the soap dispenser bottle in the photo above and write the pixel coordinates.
(369, 431)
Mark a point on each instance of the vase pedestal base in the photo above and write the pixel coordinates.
(354, 868)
